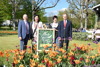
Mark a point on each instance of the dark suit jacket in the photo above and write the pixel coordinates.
(22, 29)
(31, 31)
(67, 32)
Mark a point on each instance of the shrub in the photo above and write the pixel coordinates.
(79, 35)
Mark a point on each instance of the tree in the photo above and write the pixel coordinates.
(5, 9)
(75, 21)
(1, 20)
(42, 4)
(27, 4)
(60, 13)
(14, 9)
(80, 8)
(97, 2)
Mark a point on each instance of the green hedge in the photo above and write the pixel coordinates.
(79, 35)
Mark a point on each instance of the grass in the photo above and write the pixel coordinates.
(11, 41)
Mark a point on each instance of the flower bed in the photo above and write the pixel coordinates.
(78, 56)
(8, 32)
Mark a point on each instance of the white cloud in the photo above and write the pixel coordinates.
(52, 13)
(63, 9)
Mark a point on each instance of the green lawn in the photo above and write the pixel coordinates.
(11, 41)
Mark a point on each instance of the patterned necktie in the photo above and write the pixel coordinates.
(64, 23)
(26, 28)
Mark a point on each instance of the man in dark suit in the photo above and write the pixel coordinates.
(64, 31)
(24, 32)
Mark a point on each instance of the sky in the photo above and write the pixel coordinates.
(62, 4)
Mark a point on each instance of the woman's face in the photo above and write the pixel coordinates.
(55, 19)
(36, 18)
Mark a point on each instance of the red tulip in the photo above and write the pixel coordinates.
(81, 59)
(72, 58)
(93, 62)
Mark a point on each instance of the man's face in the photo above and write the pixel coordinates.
(64, 17)
(25, 17)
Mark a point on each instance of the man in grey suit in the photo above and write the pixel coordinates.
(24, 32)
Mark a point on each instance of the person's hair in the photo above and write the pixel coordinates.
(38, 17)
(64, 14)
(55, 17)
(24, 15)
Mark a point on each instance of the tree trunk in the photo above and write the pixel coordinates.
(86, 18)
(33, 13)
(81, 24)
(13, 15)
(86, 21)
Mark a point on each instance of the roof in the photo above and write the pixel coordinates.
(97, 9)
(96, 6)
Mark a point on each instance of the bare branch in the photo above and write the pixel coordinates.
(40, 4)
(39, 1)
(51, 6)
(37, 7)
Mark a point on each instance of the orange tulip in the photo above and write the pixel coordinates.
(53, 53)
(98, 51)
(16, 61)
(96, 55)
(75, 44)
(1, 54)
(65, 56)
(32, 61)
(21, 57)
(29, 51)
(35, 56)
(77, 61)
(87, 57)
(41, 65)
(46, 51)
(62, 50)
(45, 46)
(59, 60)
(46, 60)
(93, 57)
(33, 64)
(21, 65)
(56, 48)
(70, 53)
(22, 52)
(54, 45)
(7, 54)
(51, 64)
(86, 60)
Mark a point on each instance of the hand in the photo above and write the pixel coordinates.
(70, 39)
(59, 38)
(20, 38)
(32, 39)
(56, 30)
